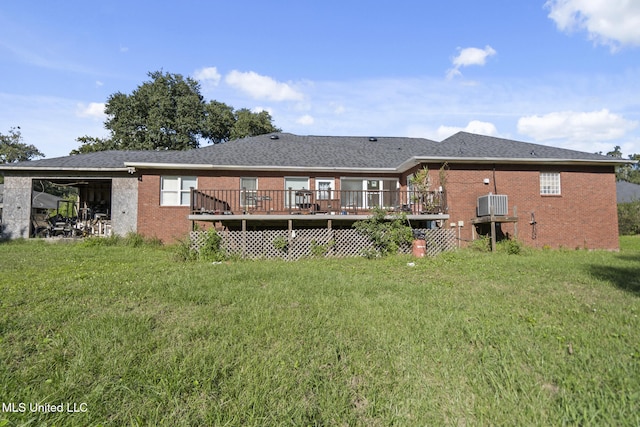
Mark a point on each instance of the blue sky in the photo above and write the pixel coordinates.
(559, 72)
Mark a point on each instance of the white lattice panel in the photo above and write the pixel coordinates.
(301, 243)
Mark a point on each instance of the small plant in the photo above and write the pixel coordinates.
(281, 244)
(321, 250)
(183, 251)
(212, 250)
(510, 246)
(481, 244)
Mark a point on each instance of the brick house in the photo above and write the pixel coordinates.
(545, 196)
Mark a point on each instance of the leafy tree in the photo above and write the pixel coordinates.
(218, 122)
(13, 150)
(169, 113)
(90, 144)
(164, 113)
(626, 172)
(251, 124)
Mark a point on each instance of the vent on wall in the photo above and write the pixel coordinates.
(496, 204)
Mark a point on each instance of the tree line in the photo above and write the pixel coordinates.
(167, 112)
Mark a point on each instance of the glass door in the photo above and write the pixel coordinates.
(373, 193)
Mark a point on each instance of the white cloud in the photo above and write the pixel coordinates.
(260, 109)
(613, 23)
(576, 126)
(262, 87)
(474, 126)
(94, 110)
(470, 56)
(208, 76)
(305, 120)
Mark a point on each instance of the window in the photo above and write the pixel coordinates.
(549, 183)
(176, 190)
(248, 191)
(367, 193)
(324, 188)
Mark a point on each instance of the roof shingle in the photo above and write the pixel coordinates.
(294, 151)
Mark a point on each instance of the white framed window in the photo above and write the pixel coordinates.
(176, 190)
(369, 192)
(299, 187)
(248, 191)
(324, 188)
(550, 183)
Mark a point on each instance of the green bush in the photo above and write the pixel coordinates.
(629, 218)
(212, 249)
(386, 233)
(184, 252)
(510, 246)
(481, 244)
(281, 244)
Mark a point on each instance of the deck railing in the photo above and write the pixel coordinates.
(281, 202)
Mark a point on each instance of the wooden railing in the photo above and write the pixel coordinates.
(279, 202)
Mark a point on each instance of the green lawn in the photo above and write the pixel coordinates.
(132, 337)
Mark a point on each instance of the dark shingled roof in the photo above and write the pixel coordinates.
(627, 192)
(286, 150)
(465, 144)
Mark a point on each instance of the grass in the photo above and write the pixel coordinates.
(132, 337)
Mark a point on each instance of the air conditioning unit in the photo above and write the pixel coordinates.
(493, 203)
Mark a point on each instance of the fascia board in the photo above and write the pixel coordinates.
(63, 169)
(183, 166)
(416, 160)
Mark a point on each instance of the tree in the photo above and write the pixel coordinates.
(90, 144)
(165, 113)
(169, 113)
(626, 172)
(13, 150)
(218, 122)
(251, 124)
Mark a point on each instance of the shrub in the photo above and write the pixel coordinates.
(510, 246)
(386, 233)
(629, 218)
(481, 244)
(212, 249)
(183, 251)
(281, 244)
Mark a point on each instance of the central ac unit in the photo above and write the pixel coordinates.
(496, 204)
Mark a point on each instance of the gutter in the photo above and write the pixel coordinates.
(183, 166)
(63, 169)
(413, 161)
(416, 160)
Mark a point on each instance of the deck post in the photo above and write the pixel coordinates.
(493, 232)
(244, 238)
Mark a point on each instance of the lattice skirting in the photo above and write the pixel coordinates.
(319, 242)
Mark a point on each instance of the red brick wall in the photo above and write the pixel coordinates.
(168, 223)
(583, 216)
